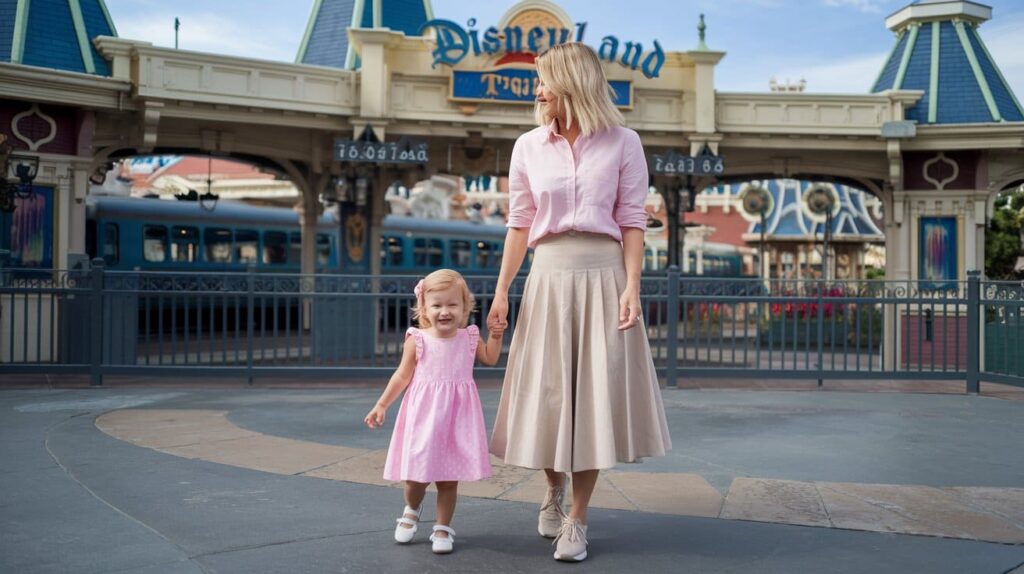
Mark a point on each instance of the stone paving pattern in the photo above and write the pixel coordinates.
(146, 478)
(989, 514)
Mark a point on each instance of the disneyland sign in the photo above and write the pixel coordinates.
(455, 43)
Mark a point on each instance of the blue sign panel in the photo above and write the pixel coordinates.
(515, 85)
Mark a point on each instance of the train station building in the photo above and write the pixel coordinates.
(387, 91)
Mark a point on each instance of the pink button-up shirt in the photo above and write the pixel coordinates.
(597, 185)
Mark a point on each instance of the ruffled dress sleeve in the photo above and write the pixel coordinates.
(418, 338)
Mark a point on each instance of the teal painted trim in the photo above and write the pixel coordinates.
(106, 14)
(378, 13)
(82, 35)
(309, 31)
(905, 61)
(933, 84)
(357, 17)
(884, 64)
(20, 31)
(428, 9)
(999, 72)
(978, 74)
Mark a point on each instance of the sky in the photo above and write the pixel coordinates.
(837, 46)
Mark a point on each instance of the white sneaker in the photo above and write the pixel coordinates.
(551, 513)
(571, 544)
(443, 544)
(406, 528)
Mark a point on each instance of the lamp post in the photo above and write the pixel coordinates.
(17, 172)
(757, 201)
(822, 202)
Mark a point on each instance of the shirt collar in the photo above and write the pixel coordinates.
(552, 129)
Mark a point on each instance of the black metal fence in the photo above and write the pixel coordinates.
(105, 322)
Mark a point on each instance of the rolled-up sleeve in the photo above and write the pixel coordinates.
(633, 185)
(521, 209)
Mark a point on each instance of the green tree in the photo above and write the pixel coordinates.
(1004, 238)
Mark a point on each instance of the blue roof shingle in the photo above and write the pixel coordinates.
(959, 96)
(327, 40)
(49, 38)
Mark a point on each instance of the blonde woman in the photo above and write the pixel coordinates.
(580, 392)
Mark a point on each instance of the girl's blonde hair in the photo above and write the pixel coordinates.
(441, 280)
(573, 72)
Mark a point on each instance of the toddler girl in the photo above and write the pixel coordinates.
(439, 431)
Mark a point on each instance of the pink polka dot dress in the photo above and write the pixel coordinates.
(439, 430)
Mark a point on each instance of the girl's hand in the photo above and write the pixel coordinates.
(496, 330)
(375, 418)
(499, 311)
(629, 308)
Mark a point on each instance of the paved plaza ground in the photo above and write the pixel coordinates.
(144, 477)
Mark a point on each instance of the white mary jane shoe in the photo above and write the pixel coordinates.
(404, 535)
(443, 545)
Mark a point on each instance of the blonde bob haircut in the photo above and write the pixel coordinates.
(441, 280)
(573, 72)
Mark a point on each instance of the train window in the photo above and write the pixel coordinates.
(498, 249)
(427, 252)
(323, 249)
(154, 243)
(461, 253)
(662, 259)
(246, 245)
(295, 248)
(392, 249)
(649, 259)
(111, 244)
(483, 254)
(217, 241)
(185, 244)
(275, 247)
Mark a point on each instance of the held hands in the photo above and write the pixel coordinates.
(496, 328)
(629, 309)
(498, 315)
(375, 418)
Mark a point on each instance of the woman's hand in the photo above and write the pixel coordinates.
(375, 418)
(499, 310)
(496, 329)
(629, 308)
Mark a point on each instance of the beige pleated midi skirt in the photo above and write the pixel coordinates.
(578, 394)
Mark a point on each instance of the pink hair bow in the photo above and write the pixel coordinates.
(418, 289)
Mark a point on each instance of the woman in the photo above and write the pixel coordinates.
(580, 391)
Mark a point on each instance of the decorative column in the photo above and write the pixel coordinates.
(704, 61)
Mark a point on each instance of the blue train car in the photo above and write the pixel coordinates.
(720, 259)
(157, 235)
(417, 246)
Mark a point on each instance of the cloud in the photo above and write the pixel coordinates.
(869, 6)
(853, 75)
(1002, 38)
(206, 32)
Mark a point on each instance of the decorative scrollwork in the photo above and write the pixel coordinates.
(1009, 291)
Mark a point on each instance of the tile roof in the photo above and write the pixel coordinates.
(789, 219)
(55, 34)
(939, 51)
(326, 41)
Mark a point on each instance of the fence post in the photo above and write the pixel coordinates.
(250, 327)
(821, 329)
(672, 336)
(973, 332)
(96, 325)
